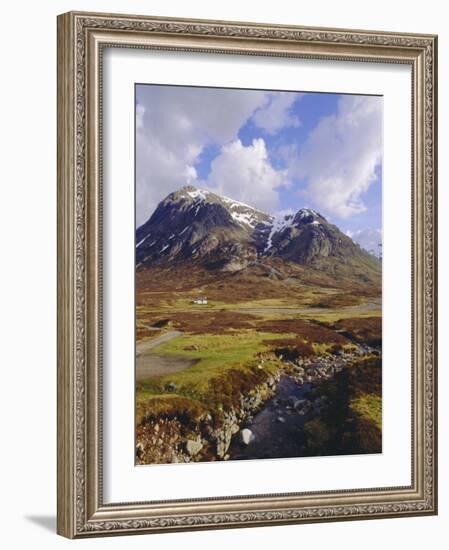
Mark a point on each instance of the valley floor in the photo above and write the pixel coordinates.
(285, 369)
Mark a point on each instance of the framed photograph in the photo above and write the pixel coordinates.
(246, 274)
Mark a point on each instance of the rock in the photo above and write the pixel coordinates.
(207, 430)
(280, 419)
(234, 428)
(193, 446)
(221, 448)
(234, 265)
(246, 436)
(139, 450)
(223, 438)
(303, 406)
(290, 401)
(171, 386)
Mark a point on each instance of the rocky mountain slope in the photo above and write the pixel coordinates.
(219, 233)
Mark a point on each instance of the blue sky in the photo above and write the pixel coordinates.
(277, 151)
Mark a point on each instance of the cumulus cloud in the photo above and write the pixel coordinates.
(173, 126)
(277, 112)
(340, 157)
(245, 174)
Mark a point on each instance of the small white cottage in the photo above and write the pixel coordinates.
(200, 301)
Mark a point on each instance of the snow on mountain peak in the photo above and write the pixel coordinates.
(237, 204)
(304, 213)
(191, 202)
(198, 194)
(279, 223)
(240, 212)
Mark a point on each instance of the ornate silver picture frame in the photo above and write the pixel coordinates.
(82, 41)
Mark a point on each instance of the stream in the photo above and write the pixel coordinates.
(277, 429)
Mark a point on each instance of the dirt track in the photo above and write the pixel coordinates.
(146, 345)
(149, 363)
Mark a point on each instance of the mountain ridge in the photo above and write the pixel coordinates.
(202, 226)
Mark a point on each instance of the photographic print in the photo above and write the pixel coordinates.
(258, 274)
(247, 253)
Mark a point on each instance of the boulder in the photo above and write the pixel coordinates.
(193, 446)
(246, 436)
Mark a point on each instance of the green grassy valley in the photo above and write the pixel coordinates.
(224, 359)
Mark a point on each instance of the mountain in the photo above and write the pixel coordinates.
(194, 223)
(197, 225)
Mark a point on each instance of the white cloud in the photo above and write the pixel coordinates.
(158, 172)
(369, 239)
(245, 174)
(276, 113)
(173, 126)
(190, 174)
(140, 111)
(281, 214)
(341, 155)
